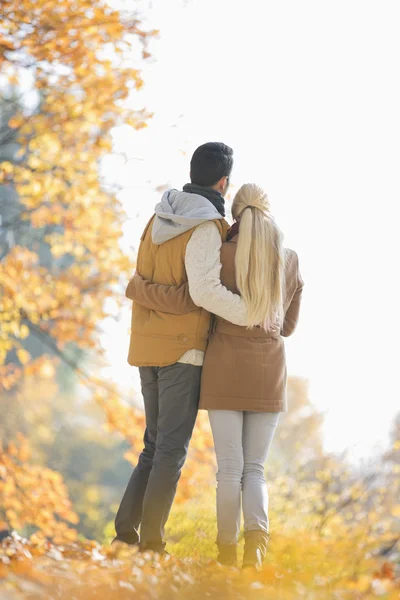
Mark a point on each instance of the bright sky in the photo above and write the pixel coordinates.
(307, 94)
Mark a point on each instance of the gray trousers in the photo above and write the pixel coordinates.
(171, 398)
(242, 441)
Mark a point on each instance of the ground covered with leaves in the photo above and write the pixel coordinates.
(303, 566)
(335, 534)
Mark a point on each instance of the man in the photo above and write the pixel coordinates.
(180, 244)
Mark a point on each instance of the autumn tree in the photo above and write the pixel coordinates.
(79, 62)
(33, 497)
(68, 75)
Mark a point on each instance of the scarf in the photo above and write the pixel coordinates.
(215, 197)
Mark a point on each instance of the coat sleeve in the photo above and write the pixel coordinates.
(171, 299)
(292, 313)
(203, 267)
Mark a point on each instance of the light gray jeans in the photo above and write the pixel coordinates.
(242, 441)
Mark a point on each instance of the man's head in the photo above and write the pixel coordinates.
(211, 166)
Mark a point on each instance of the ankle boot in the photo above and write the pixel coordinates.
(255, 549)
(227, 554)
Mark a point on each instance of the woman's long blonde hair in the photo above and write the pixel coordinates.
(260, 257)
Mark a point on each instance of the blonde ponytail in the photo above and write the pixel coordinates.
(259, 258)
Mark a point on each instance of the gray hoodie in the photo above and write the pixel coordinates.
(178, 212)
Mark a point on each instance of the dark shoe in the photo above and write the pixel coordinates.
(227, 554)
(4, 534)
(255, 549)
(158, 547)
(162, 553)
(130, 538)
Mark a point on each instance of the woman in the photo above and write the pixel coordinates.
(244, 374)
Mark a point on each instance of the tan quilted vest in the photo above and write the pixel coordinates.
(160, 339)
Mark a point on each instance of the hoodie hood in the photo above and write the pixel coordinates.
(178, 212)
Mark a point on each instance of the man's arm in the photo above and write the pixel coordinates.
(171, 299)
(203, 267)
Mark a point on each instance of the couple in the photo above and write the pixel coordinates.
(211, 338)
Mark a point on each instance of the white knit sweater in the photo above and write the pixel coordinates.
(203, 267)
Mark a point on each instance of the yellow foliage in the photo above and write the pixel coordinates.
(296, 568)
(33, 496)
(83, 89)
(23, 356)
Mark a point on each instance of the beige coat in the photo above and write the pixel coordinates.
(246, 369)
